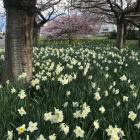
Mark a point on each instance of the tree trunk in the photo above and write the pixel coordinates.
(36, 35)
(125, 33)
(139, 39)
(19, 42)
(120, 35)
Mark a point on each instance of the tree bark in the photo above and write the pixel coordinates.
(19, 42)
(120, 35)
(139, 39)
(36, 36)
(125, 33)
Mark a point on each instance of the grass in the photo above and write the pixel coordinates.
(89, 73)
(101, 41)
(129, 43)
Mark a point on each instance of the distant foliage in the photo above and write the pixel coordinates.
(68, 27)
(131, 35)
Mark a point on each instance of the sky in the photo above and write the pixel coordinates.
(1, 6)
(2, 17)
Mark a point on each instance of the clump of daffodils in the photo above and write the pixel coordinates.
(68, 68)
(83, 113)
(22, 76)
(54, 117)
(115, 133)
(35, 82)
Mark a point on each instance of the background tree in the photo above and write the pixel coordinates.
(47, 10)
(134, 19)
(70, 26)
(116, 10)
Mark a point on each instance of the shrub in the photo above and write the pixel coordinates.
(131, 35)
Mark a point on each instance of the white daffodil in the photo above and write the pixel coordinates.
(64, 128)
(79, 132)
(22, 111)
(21, 129)
(52, 137)
(13, 90)
(137, 125)
(27, 137)
(58, 116)
(102, 109)
(97, 96)
(123, 78)
(32, 127)
(132, 116)
(115, 133)
(10, 135)
(125, 98)
(96, 124)
(41, 137)
(22, 94)
(48, 116)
